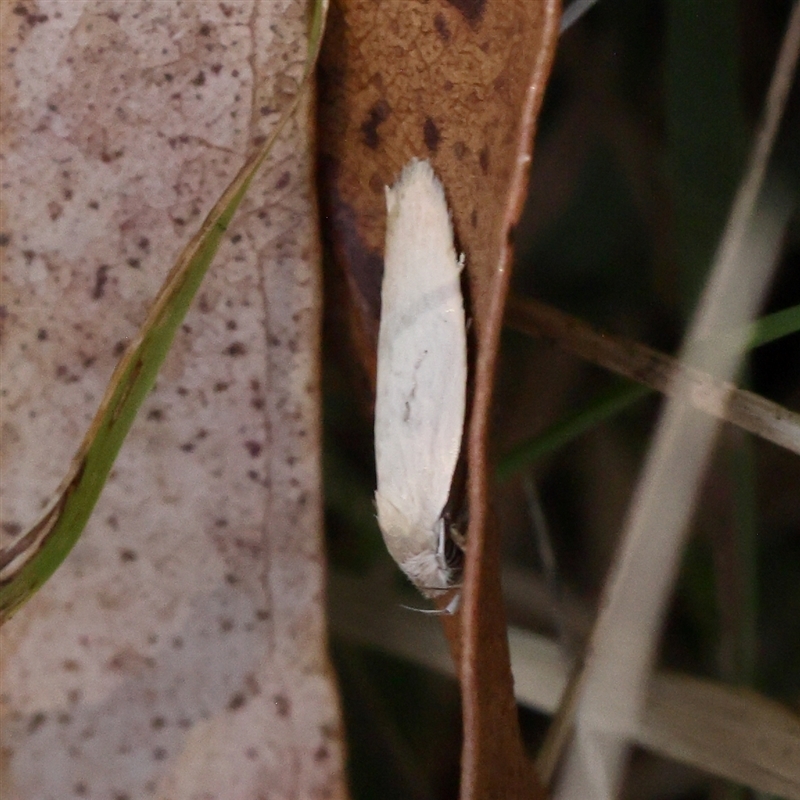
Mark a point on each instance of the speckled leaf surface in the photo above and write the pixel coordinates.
(180, 650)
(458, 82)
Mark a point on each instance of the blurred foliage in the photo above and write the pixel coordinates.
(642, 141)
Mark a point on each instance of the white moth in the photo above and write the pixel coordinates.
(422, 378)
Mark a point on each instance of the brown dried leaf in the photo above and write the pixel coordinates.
(182, 645)
(459, 83)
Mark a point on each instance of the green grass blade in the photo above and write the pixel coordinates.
(774, 326)
(31, 560)
(767, 329)
(623, 395)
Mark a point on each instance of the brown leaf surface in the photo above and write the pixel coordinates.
(459, 83)
(181, 647)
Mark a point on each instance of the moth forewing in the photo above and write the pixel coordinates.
(422, 377)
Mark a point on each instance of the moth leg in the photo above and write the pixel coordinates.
(441, 544)
(453, 605)
(449, 550)
(459, 537)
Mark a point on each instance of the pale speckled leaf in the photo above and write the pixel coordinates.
(180, 650)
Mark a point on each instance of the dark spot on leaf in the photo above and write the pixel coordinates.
(431, 135)
(187, 447)
(231, 579)
(70, 665)
(93, 204)
(231, 325)
(199, 79)
(321, 753)
(29, 255)
(80, 789)
(113, 522)
(235, 349)
(36, 722)
(41, 334)
(253, 448)
(205, 30)
(483, 160)
(226, 625)
(144, 243)
(107, 157)
(378, 114)
(128, 556)
(31, 19)
(236, 238)
(134, 262)
(440, 24)
(284, 180)
(459, 150)
(62, 373)
(119, 348)
(12, 528)
(471, 10)
(100, 280)
(237, 701)
(159, 753)
(4, 239)
(282, 705)
(220, 386)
